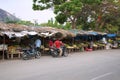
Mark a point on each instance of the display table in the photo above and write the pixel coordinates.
(14, 50)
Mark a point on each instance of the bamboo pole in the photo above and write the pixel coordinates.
(43, 46)
(3, 47)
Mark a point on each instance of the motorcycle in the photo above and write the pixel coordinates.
(65, 51)
(55, 52)
(29, 53)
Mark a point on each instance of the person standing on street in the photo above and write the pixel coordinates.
(37, 44)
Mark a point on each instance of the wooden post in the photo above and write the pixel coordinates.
(3, 47)
(43, 45)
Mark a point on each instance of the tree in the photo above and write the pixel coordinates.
(109, 11)
(56, 25)
(68, 11)
(102, 15)
(65, 10)
(28, 23)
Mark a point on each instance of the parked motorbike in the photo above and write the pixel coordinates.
(29, 53)
(55, 52)
(65, 51)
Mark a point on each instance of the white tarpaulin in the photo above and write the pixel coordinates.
(29, 33)
(13, 34)
(9, 34)
(18, 34)
(47, 34)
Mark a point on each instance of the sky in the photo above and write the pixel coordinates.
(23, 10)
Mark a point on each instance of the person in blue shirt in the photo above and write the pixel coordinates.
(37, 44)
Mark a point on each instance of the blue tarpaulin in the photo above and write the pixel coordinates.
(111, 35)
(93, 33)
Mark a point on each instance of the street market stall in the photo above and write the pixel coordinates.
(13, 34)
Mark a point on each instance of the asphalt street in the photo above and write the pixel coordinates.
(95, 65)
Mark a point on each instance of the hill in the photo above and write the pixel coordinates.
(6, 16)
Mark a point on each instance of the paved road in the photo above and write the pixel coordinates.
(96, 65)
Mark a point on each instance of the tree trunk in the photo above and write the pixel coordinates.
(73, 25)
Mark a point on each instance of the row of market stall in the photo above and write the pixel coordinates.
(15, 30)
(19, 35)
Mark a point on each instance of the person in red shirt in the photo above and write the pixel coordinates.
(51, 44)
(57, 45)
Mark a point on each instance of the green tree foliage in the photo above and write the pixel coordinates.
(91, 1)
(68, 11)
(107, 12)
(57, 25)
(23, 22)
(28, 23)
(46, 4)
(65, 10)
(104, 14)
(110, 16)
(111, 29)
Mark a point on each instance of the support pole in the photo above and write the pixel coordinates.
(3, 47)
(43, 46)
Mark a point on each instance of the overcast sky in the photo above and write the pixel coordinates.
(23, 10)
